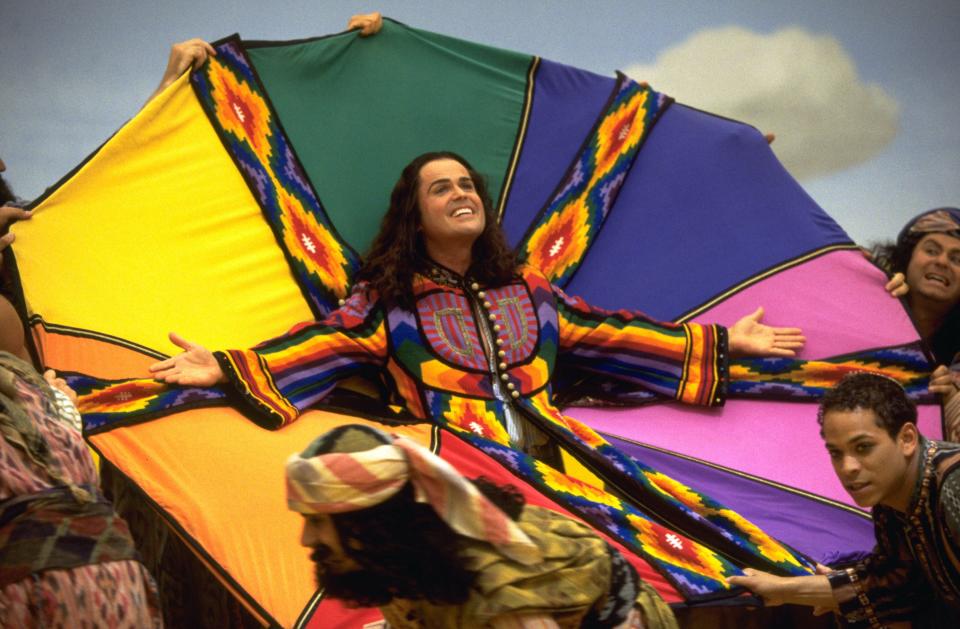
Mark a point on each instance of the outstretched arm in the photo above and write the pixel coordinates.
(813, 590)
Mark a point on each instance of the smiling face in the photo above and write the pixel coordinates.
(934, 270)
(451, 212)
(873, 467)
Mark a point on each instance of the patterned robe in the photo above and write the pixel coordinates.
(479, 359)
(110, 594)
(914, 572)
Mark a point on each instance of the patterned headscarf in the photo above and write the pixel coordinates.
(944, 220)
(329, 477)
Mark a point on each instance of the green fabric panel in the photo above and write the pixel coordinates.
(357, 110)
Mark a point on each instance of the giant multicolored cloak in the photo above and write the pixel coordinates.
(234, 204)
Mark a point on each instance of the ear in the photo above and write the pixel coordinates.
(908, 439)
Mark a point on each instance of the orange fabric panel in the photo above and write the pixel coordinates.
(170, 459)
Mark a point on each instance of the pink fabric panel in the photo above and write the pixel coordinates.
(837, 299)
(778, 441)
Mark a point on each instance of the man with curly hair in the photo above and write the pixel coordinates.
(912, 485)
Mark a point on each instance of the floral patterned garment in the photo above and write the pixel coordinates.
(110, 595)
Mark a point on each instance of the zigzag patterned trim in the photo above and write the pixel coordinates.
(791, 379)
(236, 103)
(108, 404)
(696, 571)
(567, 227)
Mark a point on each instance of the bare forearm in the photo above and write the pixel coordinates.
(814, 591)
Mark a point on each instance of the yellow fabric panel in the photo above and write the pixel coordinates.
(233, 503)
(578, 470)
(158, 232)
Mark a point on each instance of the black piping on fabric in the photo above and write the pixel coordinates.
(763, 481)
(521, 136)
(210, 563)
(762, 275)
(252, 187)
(621, 79)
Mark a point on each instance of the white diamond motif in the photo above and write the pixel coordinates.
(674, 541)
(308, 243)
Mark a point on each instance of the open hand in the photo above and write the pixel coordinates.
(749, 337)
(196, 366)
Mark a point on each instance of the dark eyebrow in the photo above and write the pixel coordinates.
(436, 181)
(852, 441)
(447, 180)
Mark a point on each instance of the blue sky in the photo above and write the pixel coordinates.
(72, 72)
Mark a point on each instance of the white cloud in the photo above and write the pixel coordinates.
(802, 87)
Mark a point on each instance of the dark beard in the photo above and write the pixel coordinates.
(356, 588)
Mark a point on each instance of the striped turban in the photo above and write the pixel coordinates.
(944, 220)
(326, 479)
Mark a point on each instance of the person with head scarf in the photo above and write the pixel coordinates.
(925, 266)
(396, 527)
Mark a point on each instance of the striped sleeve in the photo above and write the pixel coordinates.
(686, 362)
(281, 377)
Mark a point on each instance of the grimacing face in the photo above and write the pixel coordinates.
(872, 466)
(450, 208)
(934, 269)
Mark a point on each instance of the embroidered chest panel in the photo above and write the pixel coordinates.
(449, 323)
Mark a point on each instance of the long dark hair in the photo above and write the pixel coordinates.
(404, 550)
(398, 252)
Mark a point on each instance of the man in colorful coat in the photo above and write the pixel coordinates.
(465, 336)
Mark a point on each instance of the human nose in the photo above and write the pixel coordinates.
(307, 538)
(849, 466)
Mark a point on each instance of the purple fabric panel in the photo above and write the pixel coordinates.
(813, 527)
(837, 299)
(706, 206)
(778, 441)
(566, 104)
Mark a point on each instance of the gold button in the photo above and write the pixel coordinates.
(487, 305)
(504, 377)
(475, 286)
(501, 353)
(492, 317)
(481, 294)
(515, 394)
(341, 302)
(496, 328)
(499, 341)
(511, 386)
(502, 366)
